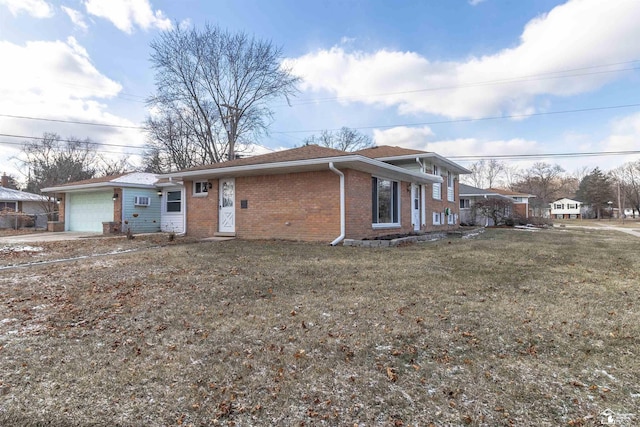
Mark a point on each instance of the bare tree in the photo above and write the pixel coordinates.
(51, 160)
(345, 139)
(496, 208)
(213, 90)
(542, 180)
(485, 174)
(627, 177)
(109, 167)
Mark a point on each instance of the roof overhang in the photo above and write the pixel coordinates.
(486, 196)
(94, 186)
(356, 162)
(433, 157)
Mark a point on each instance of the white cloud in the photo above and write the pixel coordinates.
(57, 80)
(126, 14)
(476, 2)
(76, 17)
(575, 35)
(625, 135)
(402, 136)
(35, 8)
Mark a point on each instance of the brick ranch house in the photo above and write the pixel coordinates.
(315, 193)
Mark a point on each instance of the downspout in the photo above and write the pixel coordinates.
(342, 206)
(423, 198)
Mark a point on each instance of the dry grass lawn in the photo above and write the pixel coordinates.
(508, 328)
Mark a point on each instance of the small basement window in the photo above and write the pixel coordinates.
(142, 201)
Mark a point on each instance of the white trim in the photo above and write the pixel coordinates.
(343, 214)
(354, 161)
(398, 196)
(203, 184)
(441, 160)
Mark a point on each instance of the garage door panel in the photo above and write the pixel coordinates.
(87, 211)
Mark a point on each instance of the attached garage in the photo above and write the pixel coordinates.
(87, 211)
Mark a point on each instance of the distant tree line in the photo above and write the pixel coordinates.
(549, 182)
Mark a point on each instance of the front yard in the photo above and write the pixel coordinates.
(508, 328)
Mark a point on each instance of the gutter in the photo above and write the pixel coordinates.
(342, 206)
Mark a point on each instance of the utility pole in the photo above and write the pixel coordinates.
(231, 125)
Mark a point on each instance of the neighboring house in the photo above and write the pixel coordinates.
(309, 193)
(521, 206)
(19, 208)
(472, 215)
(316, 193)
(118, 203)
(565, 209)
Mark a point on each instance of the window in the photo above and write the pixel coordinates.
(9, 206)
(572, 206)
(174, 201)
(464, 203)
(451, 219)
(557, 206)
(385, 201)
(436, 218)
(437, 187)
(450, 190)
(200, 188)
(142, 201)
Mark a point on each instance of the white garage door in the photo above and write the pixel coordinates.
(87, 211)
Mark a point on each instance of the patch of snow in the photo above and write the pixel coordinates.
(8, 320)
(7, 249)
(606, 374)
(137, 178)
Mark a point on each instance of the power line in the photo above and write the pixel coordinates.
(40, 138)
(526, 78)
(72, 122)
(439, 122)
(544, 155)
(452, 157)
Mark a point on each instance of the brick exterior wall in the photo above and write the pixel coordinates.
(202, 210)
(61, 206)
(117, 206)
(302, 206)
(305, 206)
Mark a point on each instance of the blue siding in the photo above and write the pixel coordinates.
(148, 217)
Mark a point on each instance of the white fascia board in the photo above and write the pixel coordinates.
(485, 195)
(355, 161)
(454, 167)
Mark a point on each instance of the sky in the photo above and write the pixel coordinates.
(467, 79)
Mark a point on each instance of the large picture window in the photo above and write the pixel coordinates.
(385, 201)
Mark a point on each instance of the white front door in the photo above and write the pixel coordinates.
(415, 207)
(227, 209)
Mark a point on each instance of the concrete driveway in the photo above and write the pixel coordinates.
(47, 237)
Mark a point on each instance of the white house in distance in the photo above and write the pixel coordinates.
(566, 209)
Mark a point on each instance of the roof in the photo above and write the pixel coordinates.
(11, 195)
(567, 199)
(302, 159)
(130, 179)
(470, 191)
(509, 192)
(387, 153)
(301, 153)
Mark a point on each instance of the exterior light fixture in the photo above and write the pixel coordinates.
(115, 196)
(159, 193)
(209, 185)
